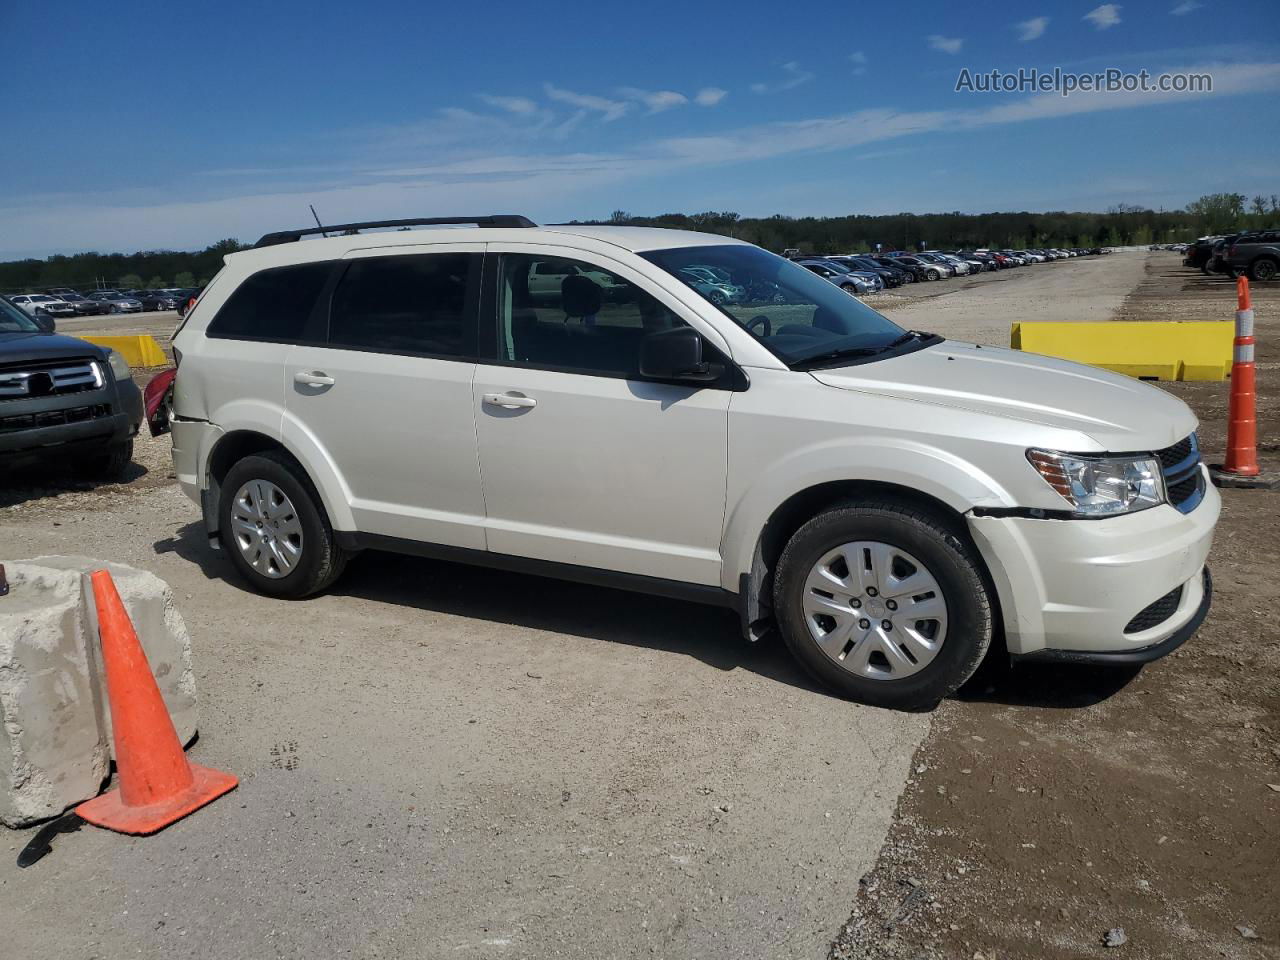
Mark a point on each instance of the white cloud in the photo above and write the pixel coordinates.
(1185, 7)
(1104, 17)
(946, 44)
(655, 100)
(609, 109)
(1032, 29)
(710, 96)
(521, 106)
(857, 57)
(795, 75)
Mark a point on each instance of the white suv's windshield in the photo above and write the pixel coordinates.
(800, 317)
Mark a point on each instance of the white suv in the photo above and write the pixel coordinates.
(893, 502)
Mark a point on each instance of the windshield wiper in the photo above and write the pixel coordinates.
(840, 354)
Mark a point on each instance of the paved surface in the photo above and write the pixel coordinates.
(443, 761)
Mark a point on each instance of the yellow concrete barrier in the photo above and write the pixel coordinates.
(1163, 350)
(140, 351)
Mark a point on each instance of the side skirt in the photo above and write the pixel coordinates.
(655, 586)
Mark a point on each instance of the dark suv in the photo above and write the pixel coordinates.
(63, 400)
(1256, 254)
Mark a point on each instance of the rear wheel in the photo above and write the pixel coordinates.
(274, 528)
(884, 603)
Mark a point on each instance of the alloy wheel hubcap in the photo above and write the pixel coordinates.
(875, 610)
(266, 527)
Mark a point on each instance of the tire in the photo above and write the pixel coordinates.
(908, 278)
(1262, 270)
(934, 275)
(910, 536)
(317, 561)
(112, 465)
(849, 288)
(717, 298)
(113, 309)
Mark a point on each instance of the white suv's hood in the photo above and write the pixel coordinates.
(1119, 413)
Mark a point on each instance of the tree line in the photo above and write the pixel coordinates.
(1122, 225)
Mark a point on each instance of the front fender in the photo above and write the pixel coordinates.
(896, 461)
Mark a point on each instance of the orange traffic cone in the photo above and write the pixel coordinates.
(1240, 468)
(157, 784)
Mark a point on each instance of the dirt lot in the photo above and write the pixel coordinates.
(436, 763)
(1050, 805)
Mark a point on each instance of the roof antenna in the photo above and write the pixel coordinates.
(317, 216)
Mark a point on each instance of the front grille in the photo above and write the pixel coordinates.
(49, 378)
(54, 418)
(1172, 456)
(1156, 613)
(1183, 478)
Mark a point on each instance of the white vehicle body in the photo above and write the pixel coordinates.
(34, 303)
(677, 486)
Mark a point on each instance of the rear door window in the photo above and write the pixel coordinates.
(416, 304)
(272, 305)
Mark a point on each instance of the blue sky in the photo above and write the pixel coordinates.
(150, 125)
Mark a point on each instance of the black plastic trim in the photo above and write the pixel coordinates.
(636, 583)
(1129, 657)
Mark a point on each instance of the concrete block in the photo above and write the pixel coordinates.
(55, 726)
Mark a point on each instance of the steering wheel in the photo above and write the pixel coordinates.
(762, 321)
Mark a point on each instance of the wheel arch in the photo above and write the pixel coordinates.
(755, 585)
(234, 446)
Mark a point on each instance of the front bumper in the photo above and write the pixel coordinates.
(1072, 587)
(69, 422)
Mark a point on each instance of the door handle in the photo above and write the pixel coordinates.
(511, 401)
(314, 378)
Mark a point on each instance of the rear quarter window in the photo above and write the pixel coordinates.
(272, 305)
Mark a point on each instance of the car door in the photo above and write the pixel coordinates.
(583, 461)
(384, 394)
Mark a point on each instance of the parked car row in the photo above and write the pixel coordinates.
(866, 273)
(65, 302)
(1254, 254)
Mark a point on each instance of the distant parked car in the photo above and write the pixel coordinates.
(890, 276)
(160, 300)
(1256, 255)
(717, 292)
(35, 303)
(84, 307)
(838, 274)
(951, 268)
(116, 302)
(927, 270)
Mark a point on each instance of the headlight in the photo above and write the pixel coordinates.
(1102, 486)
(119, 366)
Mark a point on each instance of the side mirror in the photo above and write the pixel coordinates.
(676, 355)
(45, 322)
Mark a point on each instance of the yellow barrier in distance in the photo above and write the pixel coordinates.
(139, 351)
(1162, 350)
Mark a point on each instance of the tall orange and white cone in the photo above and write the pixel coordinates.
(1240, 466)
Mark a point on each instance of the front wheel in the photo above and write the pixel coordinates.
(934, 275)
(112, 465)
(1263, 270)
(884, 603)
(274, 528)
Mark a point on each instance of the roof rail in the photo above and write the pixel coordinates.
(493, 220)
